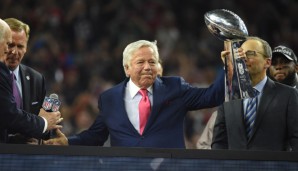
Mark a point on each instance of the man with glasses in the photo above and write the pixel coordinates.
(284, 66)
(268, 121)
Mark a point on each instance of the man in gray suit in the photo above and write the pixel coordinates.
(283, 69)
(11, 117)
(274, 125)
(31, 84)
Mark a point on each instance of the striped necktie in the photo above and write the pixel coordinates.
(250, 114)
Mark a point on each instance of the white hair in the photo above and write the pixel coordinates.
(132, 47)
(3, 29)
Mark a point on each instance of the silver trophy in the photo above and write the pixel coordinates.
(230, 28)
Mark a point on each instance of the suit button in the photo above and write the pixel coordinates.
(142, 137)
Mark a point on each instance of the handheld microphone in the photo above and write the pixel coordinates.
(51, 103)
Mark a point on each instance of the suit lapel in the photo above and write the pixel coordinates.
(25, 80)
(267, 96)
(237, 112)
(159, 92)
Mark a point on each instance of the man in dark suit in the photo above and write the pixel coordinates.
(11, 117)
(284, 66)
(170, 99)
(31, 84)
(275, 123)
(283, 69)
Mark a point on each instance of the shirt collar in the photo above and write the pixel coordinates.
(261, 84)
(134, 89)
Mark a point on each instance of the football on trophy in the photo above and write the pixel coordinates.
(225, 24)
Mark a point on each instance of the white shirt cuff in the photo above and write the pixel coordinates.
(45, 125)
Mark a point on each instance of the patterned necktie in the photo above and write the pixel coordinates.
(16, 92)
(250, 115)
(144, 109)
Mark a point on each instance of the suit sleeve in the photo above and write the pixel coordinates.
(13, 118)
(293, 120)
(198, 98)
(96, 135)
(220, 137)
(47, 134)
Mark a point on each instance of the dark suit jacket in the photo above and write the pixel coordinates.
(33, 87)
(296, 81)
(276, 124)
(34, 91)
(172, 99)
(11, 117)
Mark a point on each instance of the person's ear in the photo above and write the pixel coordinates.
(268, 63)
(126, 67)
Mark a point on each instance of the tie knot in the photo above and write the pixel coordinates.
(256, 92)
(143, 92)
(13, 77)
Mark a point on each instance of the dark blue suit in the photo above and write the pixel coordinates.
(172, 99)
(11, 117)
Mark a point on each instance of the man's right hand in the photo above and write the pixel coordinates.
(59, 140)
(53, 119)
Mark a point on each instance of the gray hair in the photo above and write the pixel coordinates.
(132, 47)
(17, 25)
(266, 47)
(2, 29)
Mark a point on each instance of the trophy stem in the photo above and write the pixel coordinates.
(239, 83)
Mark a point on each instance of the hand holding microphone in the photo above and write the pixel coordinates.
(50, 112)
(53, 119)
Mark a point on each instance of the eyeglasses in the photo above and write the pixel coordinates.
(252, 53)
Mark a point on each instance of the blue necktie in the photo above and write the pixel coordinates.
(250, 115)
(16, 92)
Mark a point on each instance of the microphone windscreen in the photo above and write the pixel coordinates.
(54, 96)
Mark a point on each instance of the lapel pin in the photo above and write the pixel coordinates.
(28, 78)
